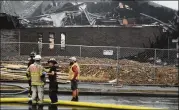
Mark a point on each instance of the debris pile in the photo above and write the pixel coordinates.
(130, 72)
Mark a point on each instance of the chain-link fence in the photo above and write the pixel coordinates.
(104, 63)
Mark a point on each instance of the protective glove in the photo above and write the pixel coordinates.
(44, 73)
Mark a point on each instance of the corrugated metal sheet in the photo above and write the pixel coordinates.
(26, 9)
(19, 8)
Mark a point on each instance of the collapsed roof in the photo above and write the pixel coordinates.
(60, 13)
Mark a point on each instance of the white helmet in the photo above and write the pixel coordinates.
(37, 57)
(73, 58)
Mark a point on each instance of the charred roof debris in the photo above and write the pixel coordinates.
(23, 14)
(82, 13)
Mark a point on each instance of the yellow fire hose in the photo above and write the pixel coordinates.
(81, 104)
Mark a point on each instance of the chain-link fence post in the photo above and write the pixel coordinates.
(19, 44)
(177, 47)
(1, 45)
(155, 58)
(168, 55)
(40, 44)
(80, 50)
(118, 67)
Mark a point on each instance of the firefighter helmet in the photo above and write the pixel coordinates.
(52, 60)
(73, 58)
(37, 57)
(32, 54)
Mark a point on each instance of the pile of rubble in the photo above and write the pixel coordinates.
(130, 72)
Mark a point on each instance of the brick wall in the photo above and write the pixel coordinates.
(92, 36)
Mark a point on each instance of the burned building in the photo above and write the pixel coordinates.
(124, 23)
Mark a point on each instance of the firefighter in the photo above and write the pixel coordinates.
(35, 72)
(31, 61)
(124, 21)
(74, 72)
(53, 84)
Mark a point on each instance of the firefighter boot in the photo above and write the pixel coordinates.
(73, 99)
(77, 98)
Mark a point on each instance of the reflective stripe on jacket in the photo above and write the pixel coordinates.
(35, 71)
(31, 61)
